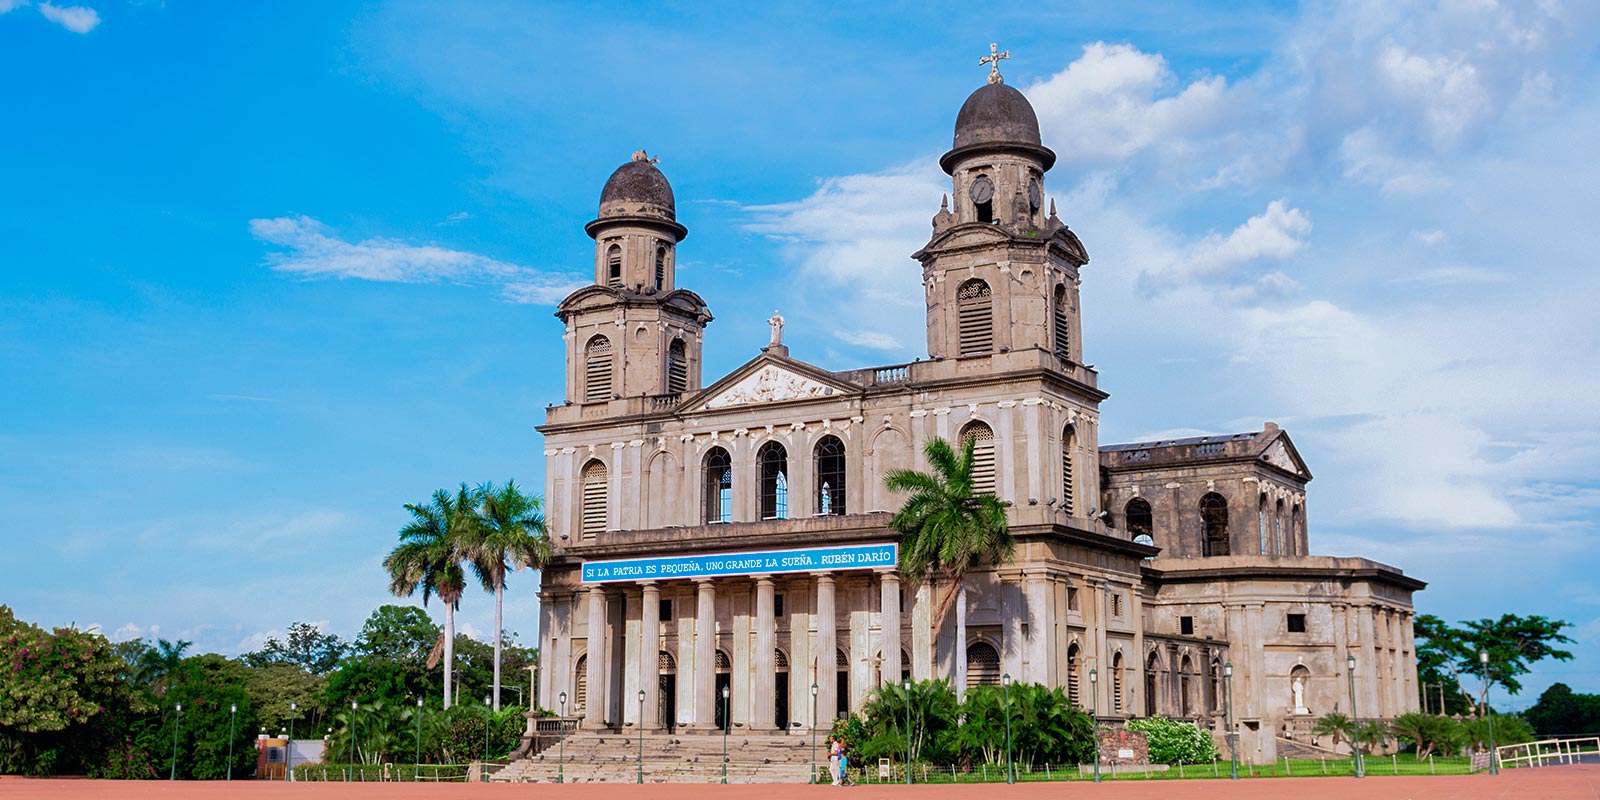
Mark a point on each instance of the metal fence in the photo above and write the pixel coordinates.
(1550, 751)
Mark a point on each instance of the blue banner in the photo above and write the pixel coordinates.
(765, 562)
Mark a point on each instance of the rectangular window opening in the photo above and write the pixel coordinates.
(1186, 626)
(1297, 623)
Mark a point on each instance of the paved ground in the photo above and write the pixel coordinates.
(1549, 783)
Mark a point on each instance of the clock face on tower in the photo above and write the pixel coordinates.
(982, 190)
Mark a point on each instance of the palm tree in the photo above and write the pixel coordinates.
(945, 530)
(508, 534)
(429, 555)
(159, 665)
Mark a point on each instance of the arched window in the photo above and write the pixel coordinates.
(975, 312)
(1261, 522)
(593, 519)
(1151, 672)
(719, 486)
(983, 665)
(1299, 688)
(1069, 445)
(1213, 685)
(1214, 519)
(1074, 693)
(1063, 333)
(841, 694)
(677, 368)
(1140, 519)
(982, 438)
(661, 267)
(597, 369)
(830, 476)
(1184, 677)
(905, 665)
(614, 267)
(1277, 524)
(1297, 532)
(1116, 682)
(580, 685)
(774, 461)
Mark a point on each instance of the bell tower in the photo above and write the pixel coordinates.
(632, 332)
(1000, 272)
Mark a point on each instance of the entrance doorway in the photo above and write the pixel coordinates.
(668, 683)
(781, 701)
(842, 693)
(724, 683)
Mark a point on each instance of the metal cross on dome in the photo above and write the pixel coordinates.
(993, 60)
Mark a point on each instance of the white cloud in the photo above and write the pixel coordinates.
(313, 252)
(872, 340)
(11, 5)
(1431, 238)
(78, 19)
(1445, 89)
(131, 631)
(1276, 234)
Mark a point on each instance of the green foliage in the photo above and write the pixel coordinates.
(1338, 726)
(1508, 729)
(305, 647)
(207, 686)
(401, 634)
(1428, 733)
(1512, 643)
(1045, 727)
(272, 687)
(1174, 742)
(463, 739)
(1561, 711)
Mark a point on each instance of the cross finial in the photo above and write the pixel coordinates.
(993, 60)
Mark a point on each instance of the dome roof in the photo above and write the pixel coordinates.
(997, 115)
(638, 192)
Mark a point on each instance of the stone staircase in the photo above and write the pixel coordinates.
(1302, 749)
(601, 757)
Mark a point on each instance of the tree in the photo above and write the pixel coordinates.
(1512, 643)
(1338, 726)
(508, 534)
(209, 686)
(272, 687)
(946, 529)
(1175, 742)
(1563, 712)
(305, 646)
(429, 556)
(161, 664)
(397, 633)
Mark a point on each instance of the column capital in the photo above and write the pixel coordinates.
(823, 578)
(889, 575)
(597, 590)
(762, 580)
(704, 584)
(647, 585)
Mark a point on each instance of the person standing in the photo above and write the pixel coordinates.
(835, 758)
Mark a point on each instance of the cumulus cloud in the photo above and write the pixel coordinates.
(872, 340)
(313, 252)
(78, 19)
(1277, 234)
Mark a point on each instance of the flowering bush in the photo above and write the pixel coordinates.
(1174, 742)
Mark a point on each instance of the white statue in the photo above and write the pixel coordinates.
(777, 328)
(1300, 697)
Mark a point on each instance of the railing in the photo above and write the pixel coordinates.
(890, 375)
(665, 402)
(1210, 448)
(1550, 751)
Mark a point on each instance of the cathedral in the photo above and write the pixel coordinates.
(722, 549)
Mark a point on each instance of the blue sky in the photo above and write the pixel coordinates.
(270, 271)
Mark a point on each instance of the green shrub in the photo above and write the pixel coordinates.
(1174, 742)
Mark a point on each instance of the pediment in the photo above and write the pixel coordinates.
(769, 379)
(1281, 454)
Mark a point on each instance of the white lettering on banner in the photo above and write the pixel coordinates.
(733, 564)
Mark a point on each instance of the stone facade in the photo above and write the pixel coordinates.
(1151, 564)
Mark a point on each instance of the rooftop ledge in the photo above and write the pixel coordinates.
(1322, 567)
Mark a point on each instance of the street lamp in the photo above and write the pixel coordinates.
(640, 731)
(906, 684)
(233, 713)
(1094, 717)
(727, 722)
(1233, 735)
(352, 732)
(1483, 658)
(487, 720)
(416, 766)
(561, 742)
(1361, 765)
(288, 744)
(813, 732)
(1005, 691)
(178, 720)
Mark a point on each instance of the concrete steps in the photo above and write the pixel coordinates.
(600, 757)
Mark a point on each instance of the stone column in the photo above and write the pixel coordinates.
(650, 655)
(922, 634)
(1367, 666)
(889, 625)
(598, 677)
(1012, 646)
(827, 645)
(705, 645)
(763, 708)
(1036, 652)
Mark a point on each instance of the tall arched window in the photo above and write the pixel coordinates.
(719, 486)
(1140, 519)
(983, 665)
(774, 461)
(1069, 445)
(975, 311)
(580, 685)
(1152, 672)
(661, 267)
(1214, 520)
(614, 267)
(1117, 682)
(1063, 333)
(1298, 531)
(1277, 524)
(677, 368)
(1074, 694)
(982, 438)
(597, 369)
(1184, 687)
(593, 518)
(1261, 522)
(1213, 685)
(830, 476)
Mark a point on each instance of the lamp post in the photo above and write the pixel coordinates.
(172, 774)
(813, 732)
(906, 684)
(233, 713)
(416, 766)
(727, 723)
(561, 743)
(488, 719)
(640, 731)
(1483, 658)
(1233, 736)
(1361, 765)
(1094, 717)
(288, 745)
(352, 732)
(1005, 692)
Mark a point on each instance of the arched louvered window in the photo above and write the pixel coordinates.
(723, 663)
(774, 462)
(1140, 519)
(1074, 690)
(580, 686)
(661, 267)
(1069, 490)
(614, 267)
(677, 368)
(830, 476)
(905, 665)
(983, 665)
(1063, 333)
(780, 660)
(1214, 520)
(594, 499)
(597, 369)
(719, 486)
(1277, 524)
(1117, 683)
(665, 663)
(975, 312)
(982, 438)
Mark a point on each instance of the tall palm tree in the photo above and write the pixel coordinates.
(509, 534)
(159, 665)
(945, 530)
(429, 556)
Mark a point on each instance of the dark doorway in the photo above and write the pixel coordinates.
(669, 701)
(843, 694)
(781, 714)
